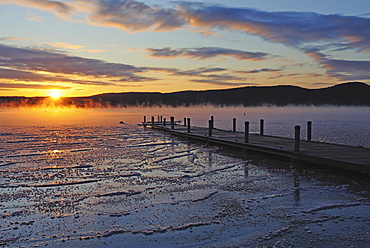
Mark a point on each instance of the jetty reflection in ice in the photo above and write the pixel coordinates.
(88, 181)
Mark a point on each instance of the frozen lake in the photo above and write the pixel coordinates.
(78, 178)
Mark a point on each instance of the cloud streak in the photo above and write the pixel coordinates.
(35, 18)
(346, 70)
(134, 16)
(29, 76)
(294, 29)
(291, 28)
(63, 45)
(259, 71)
(202, 53)
(209, 76)
(31, 86)
(30, 67)
(60, 8)
(34, 65)
(11, 39)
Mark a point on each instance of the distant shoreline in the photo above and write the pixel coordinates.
(346, 94)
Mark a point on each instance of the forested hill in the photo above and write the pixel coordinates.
(343, 94)
(347, 94)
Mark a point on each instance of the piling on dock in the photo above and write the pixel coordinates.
(309, 130)
(297, 137)
(172, 122)
(188, 125)
(246, 132)
(262, 123)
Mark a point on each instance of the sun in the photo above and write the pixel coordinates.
(55, 94)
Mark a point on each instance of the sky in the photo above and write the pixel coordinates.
(88, 47)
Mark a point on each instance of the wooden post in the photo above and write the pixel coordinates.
(152, 121)
(210, 128)
(144, 119)
(261, 126)
(164, 121)
(184, 121)
(172, 122)
(188, 125)
(246, 131)
(158, 118)
(213, 121)
(297, 138)
(234, 125)
(161, 118)
(309, 130)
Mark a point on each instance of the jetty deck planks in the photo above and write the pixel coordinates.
(340, 156)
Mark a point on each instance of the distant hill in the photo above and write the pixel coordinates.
(347, 94)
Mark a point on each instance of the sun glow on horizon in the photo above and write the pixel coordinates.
(55, 94)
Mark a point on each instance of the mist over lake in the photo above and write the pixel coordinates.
(342, 125)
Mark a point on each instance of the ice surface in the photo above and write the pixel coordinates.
(92, 185)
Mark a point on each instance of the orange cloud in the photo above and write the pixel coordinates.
(12, 39)
(62, 9)
(95, 51)
(63, 45)
(35, 18)
(315, 54)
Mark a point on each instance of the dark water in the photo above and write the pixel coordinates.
(77, 178)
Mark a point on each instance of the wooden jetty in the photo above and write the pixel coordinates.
(339, 156)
